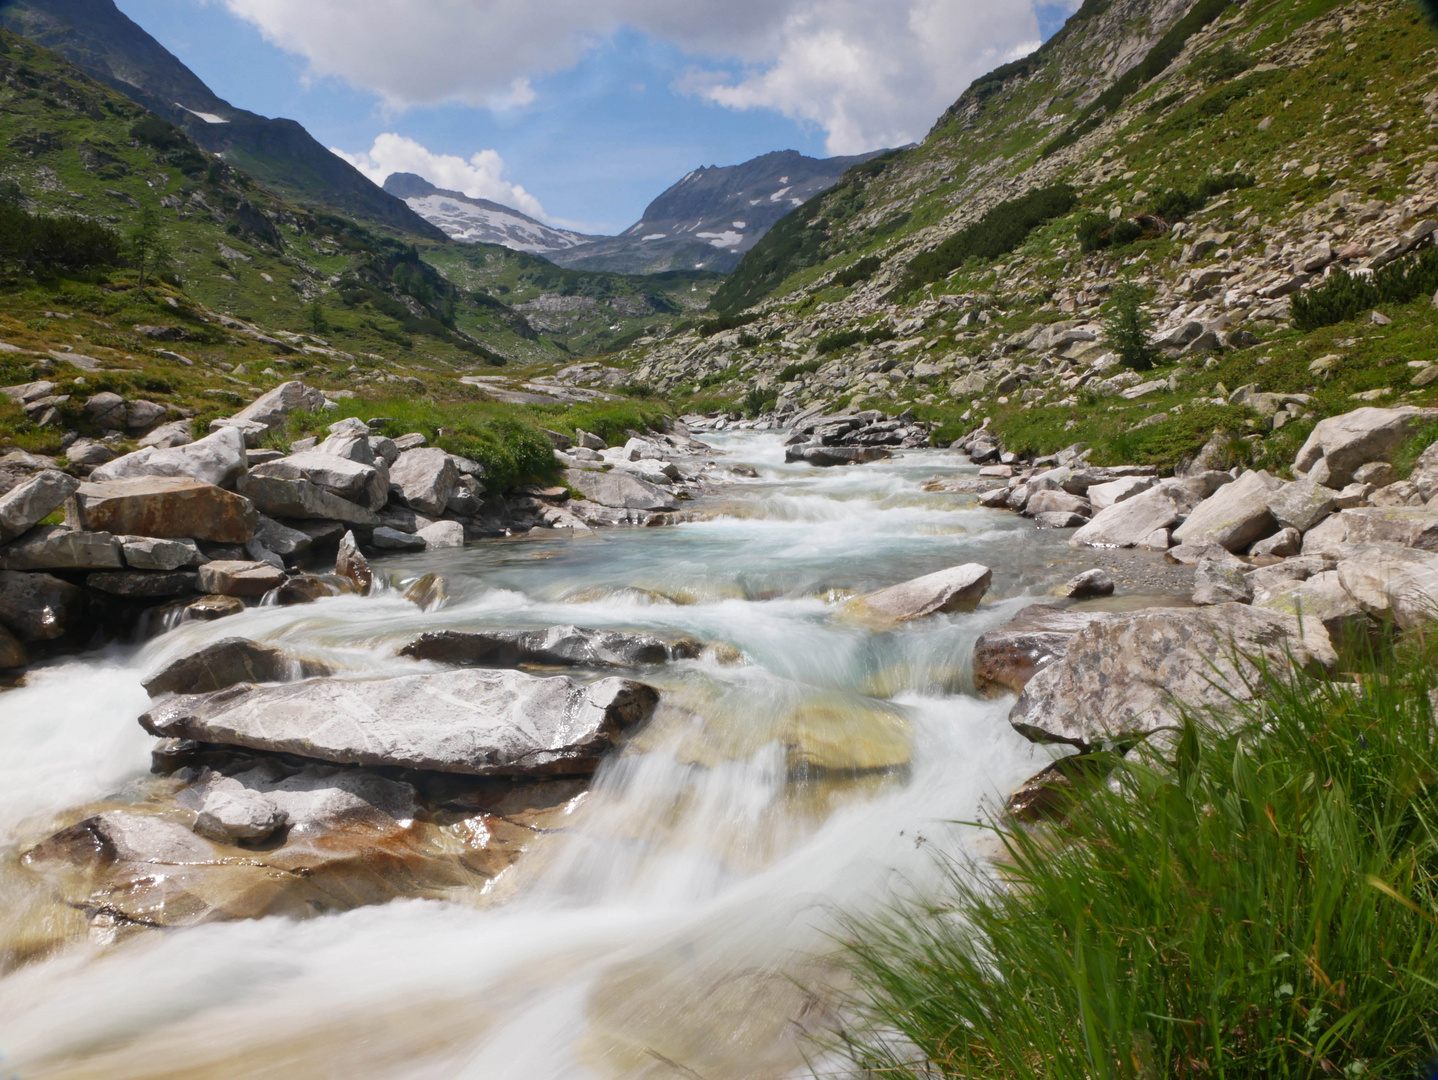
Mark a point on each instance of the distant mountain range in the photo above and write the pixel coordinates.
(103, 42)
(704, 222)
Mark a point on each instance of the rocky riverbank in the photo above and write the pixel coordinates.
(100, 547)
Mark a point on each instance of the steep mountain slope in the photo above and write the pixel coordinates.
(1231, 163)
(712, 216)
(479, 221)
(102, 41)
(74, 145)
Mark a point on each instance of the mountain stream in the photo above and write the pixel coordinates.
(681, 922)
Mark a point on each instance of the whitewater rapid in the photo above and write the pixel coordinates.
(682, 921)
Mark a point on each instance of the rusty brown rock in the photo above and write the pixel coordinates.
(169, 507)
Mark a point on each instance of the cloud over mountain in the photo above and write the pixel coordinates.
(870, 73)
(482, 176)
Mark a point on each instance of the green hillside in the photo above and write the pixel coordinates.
(133, 261)
(1233, 156)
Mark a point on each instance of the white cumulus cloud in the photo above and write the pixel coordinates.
(481, 176)
(870, 73)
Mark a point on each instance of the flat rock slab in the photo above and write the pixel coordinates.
(1008, 656)
(1125, 678)
(299, 499)
(232, 577)
(959, 588)
(171, 508)
(476, 722)
(558, 646)
(54, 547)
(619, 491)
(217, 459)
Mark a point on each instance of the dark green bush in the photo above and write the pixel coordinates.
(1220, 64)
(44, 246)
(710, 327)
(512, 452)
(997, 233)
(757, 402)
(793, 371)
(836, 340)
(1343, 296)
(1092, 230)
(860, 271)
(1125, 231)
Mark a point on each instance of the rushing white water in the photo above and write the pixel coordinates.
(682, 924)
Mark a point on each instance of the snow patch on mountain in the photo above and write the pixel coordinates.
(472, 220)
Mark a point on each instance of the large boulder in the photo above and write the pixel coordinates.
(1301, 505)
(32, 501)
(351, 564)
(1339, 445)
(167, 507)
(228, 662)
(1125, 678)
(558, 646)
(1403, 526)
(1102, 496)
(38, 607)
(217, 459)
(338, 475)
(1323, 598)
(1395, 586)
(1235, 515)
(1219, 583)
(959, 588)
(300, 500)
(1132, 521)
(54, 547)
(13, 653)
(619, 490)
(150, 553)
(144, 584)
(271, 410)
(472, 721)
(424, 479)
(1008, 656)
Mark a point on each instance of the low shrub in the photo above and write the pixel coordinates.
(1343, 296)
(837, 340)
(860, 271)
(997, 233)
(793, 371)
(757, 402)
(710, 327)
(43, 246)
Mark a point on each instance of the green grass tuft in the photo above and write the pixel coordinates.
(1266, 906)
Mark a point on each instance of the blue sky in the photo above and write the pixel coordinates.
(584, 116)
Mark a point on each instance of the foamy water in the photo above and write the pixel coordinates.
(682, 925)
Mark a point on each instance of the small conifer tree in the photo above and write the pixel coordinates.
(1127, 327)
